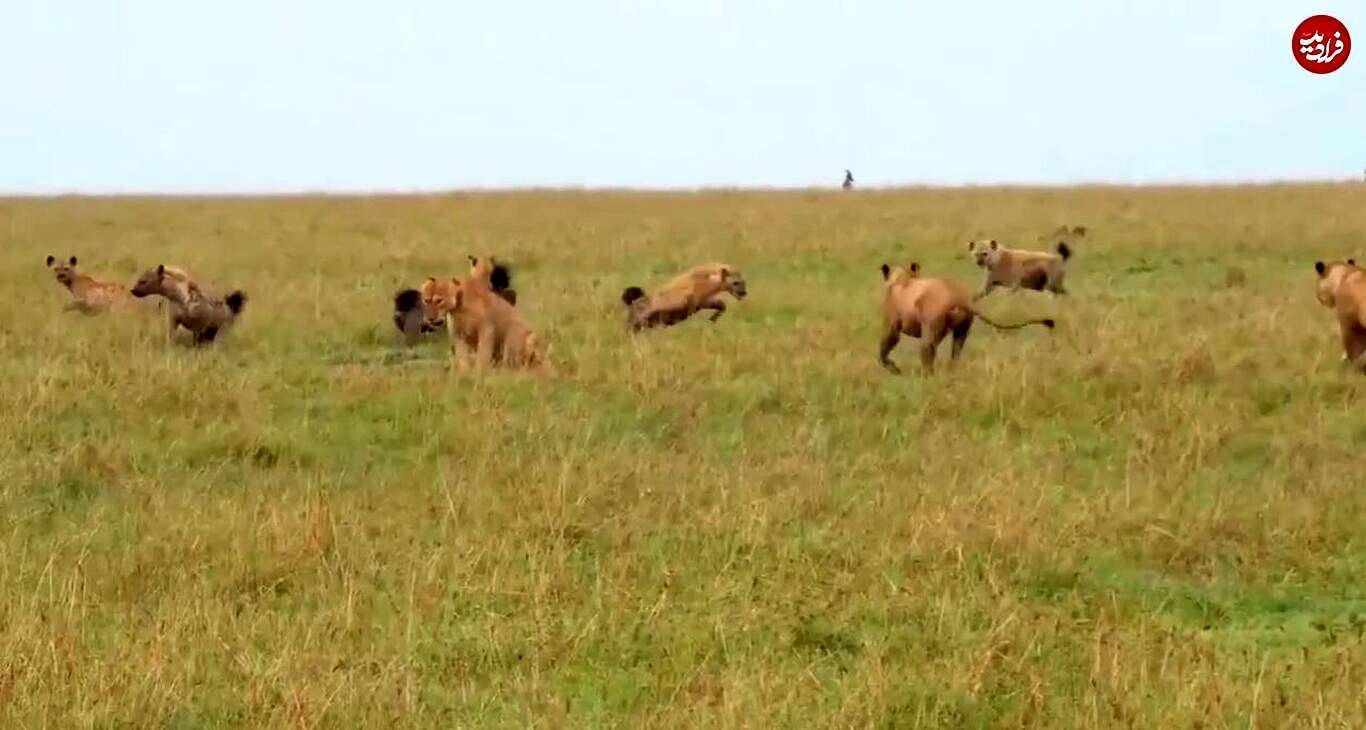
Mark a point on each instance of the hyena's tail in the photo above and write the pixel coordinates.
(236, 301)
(631, 294)
(407, 300)
(500, 277)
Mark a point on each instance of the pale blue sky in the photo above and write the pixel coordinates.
(305, 95)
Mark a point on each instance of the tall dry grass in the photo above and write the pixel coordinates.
(1152, 517)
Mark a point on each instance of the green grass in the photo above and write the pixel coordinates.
(1151, 517)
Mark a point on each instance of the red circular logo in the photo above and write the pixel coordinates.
(1321, 44)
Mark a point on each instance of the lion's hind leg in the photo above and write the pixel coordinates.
(1354, 345)
(891, 334)
(960, 337)
(932, 333)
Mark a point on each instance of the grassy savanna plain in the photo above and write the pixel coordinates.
(1154, 516)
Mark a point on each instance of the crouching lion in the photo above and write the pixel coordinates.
(1018, 269)
(928, 309)
(696, 289)
(1342, 288)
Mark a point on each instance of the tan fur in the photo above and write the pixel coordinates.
(192, 306)
(427, 315)
(88, 294)
(436, 294)
(1342, 288)
(929, 310)
(698, 288)
(486, 324)
(1018, 269)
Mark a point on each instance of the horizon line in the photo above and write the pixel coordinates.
(345, 192)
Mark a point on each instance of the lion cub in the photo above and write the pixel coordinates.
(928, 309)
(88, 294)
(485, 323)
(1342, 288)
(696, 289)
(202, 313)
(1018, 269)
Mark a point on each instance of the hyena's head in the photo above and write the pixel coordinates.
(985, 253)
(1331, 275)
(151, 281)
(732, 280)
(65, 271)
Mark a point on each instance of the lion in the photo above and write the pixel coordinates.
(201, 312)
(89, 295)
(1342, 288)
(1018, 269)
(485, 323)
(696, 289)
(411, 318)
(928, 309)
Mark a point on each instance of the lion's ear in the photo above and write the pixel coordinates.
(972, 245)
(73, 260)
(886, 271)
(993, 244)
(1351, 262)
(1319, 267)
(51, 259)
(161, 269)
(915, 267)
